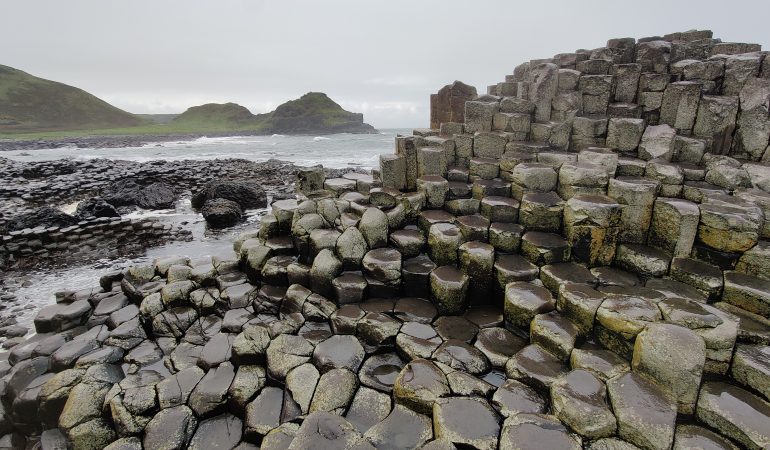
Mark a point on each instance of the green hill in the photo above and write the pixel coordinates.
(214, 116)
(314, 112)
(29, 103)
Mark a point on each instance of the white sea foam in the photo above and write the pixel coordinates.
(335, 151)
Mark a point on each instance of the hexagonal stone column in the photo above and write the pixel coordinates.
(325, 268)
(485, 188)
(349, 288)
(716, 120)
(592, 226)
(351, 247)
(728, 228)
(466, 420)
(374, 228)
(537, 428)
(555, 333)
(680, 105)
(642, 260)
(624, 134)
(620, 318)
(435, 189)
(393, 171)
(657, 143)
(674, 226)
(523, 301)
(419, 385)
(484, 168)
(747, 292)
(382, 269)
(431, 161)
(580, 400)
(646, 413)
(544, 248)
(339, 185)
(735, 413)
(310, 179)
(582, 178)
(449, 288)
(283, 210)
(408, 242)
(443, 241)
(500, 209)
(579, 302)
(541, 211)
(415, 276)
(474, 227)
(674, 356)
(510, 268)
(477, 259)
(479, 115)
(532, 177)
(637, 195)
(505, 237)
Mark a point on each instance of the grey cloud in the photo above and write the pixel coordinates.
(384, 57)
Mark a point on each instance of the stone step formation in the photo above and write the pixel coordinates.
(582, 262)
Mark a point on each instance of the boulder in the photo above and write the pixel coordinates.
(129, 192)
(94, 208)
(247, 194)
(221, 213)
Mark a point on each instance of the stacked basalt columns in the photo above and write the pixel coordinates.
(550, 273)
(610, 194)
(92, 239)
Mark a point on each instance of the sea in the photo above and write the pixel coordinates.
(334, 151)
(36, 288)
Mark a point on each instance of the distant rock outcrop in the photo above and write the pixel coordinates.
(313, 113)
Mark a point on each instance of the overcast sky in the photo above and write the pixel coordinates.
(382, 58)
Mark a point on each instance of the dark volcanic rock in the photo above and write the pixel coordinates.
(128, 192)
(221, 213)
(247, 194)
(95, 207)
(41, 217)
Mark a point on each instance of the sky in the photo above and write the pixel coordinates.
(381, 58)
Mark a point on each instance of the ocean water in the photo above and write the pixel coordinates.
(334, 151)
(36, 288)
